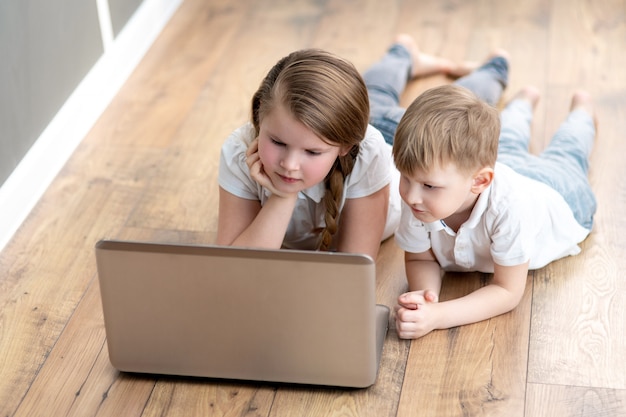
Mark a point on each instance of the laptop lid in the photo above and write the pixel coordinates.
(224, 312)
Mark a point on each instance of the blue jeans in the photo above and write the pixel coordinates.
(563, 165)
(387, 79)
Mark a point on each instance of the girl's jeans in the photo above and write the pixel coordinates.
(387, 79)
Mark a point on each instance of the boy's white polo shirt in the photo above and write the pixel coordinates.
(515, 219)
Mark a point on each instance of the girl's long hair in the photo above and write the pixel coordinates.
(327, 94)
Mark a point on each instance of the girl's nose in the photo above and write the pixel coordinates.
(290, 161)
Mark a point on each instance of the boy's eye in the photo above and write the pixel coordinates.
(430, 187)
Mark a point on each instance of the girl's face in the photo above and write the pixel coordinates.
(293, 156)
(438, 194)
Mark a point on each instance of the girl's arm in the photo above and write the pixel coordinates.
(243, 222)
(362, 223)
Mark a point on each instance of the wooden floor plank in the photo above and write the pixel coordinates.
(71, 361)
(578, 322)
(570, 401)
(184, 397)
(478, 369)
(53, 278)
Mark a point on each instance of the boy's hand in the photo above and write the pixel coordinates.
(413, 298)
(256, 169)
(415, 315)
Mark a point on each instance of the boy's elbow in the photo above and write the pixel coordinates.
(514, 299)
(512, 279)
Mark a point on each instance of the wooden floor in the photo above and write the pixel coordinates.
(148, 171)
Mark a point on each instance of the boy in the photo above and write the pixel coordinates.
(463, 211)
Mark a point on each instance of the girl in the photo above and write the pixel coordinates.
(307, 160)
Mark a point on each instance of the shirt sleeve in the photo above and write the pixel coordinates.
(373, 167)
(512, 231)
(234, 175)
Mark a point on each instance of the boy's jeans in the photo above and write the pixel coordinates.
(563, 165)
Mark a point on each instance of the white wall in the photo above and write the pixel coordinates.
(36, 170)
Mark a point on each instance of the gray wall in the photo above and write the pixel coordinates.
(46, 48)
(121, 11)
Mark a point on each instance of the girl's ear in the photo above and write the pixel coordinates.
(344, 150)
(482, 179)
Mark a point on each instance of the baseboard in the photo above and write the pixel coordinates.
(30, 179)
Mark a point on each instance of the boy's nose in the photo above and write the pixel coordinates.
(414, 196)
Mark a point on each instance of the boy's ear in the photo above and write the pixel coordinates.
(482, 179)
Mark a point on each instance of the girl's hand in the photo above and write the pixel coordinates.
(257, 171)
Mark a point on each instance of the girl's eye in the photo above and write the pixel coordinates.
(281, 144)
(430, 187)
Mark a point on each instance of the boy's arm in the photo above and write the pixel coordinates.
(501, 295)
(422, 271)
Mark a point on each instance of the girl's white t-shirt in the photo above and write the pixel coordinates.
(373, 169)
(516, 219)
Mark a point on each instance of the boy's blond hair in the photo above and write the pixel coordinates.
(447, 124)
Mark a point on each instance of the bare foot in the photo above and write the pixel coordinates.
(583, 100)
(423, 63)
(528, 93)
(499, 52)
(464, 68)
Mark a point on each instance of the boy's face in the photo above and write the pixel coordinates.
(439, 193)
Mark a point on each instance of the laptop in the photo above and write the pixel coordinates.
(286, 316)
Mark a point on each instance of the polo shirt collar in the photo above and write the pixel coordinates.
(479, 208)
(477, 212)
